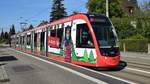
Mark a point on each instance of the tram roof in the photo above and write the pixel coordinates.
(63, 20)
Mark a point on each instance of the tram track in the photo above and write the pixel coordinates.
(147, 65)
(136, 74)
(147, 68)
(131, 76)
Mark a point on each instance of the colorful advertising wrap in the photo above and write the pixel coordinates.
(53, 41)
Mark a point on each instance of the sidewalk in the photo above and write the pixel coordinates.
(3, 75)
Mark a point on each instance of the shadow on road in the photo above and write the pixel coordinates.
(120, 67)
(7, 58)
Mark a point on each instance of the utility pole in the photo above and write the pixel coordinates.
(107, 8)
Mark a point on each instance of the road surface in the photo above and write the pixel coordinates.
(23, 68)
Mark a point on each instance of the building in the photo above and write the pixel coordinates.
(130, 6)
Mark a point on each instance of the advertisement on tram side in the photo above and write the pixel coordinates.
(53, 41)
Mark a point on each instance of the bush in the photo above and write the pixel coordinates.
(138, 36)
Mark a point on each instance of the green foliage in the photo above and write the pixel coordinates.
(13, 30)
(98, 6)
(58, 10)
(2, 34)
(123, 27)
(5, 36)
(30, 27)
(138, 36)
(126, 27)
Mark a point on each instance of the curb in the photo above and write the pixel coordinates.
(3, 74)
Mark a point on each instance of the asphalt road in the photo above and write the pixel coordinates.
(22, 68)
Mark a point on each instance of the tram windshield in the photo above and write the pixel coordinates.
(104, 32)
(106, 36)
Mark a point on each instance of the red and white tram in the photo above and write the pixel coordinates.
(83, 39)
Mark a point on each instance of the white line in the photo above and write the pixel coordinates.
(138, 70)
(68, 69)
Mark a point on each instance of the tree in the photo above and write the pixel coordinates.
(10, 31)
(2, 34)
(13, 30)
(42, 23)
(99, 6)
(58, 10)
(134, 2)
(123, 27)
(6, 35)
(30, 27)
(146, 20)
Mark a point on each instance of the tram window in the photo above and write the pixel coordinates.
(60, 35)
(28, 39)
(53, 32)
(17, 40)
(21, 40)
(42, 39)
(35, 40)
(83, 37)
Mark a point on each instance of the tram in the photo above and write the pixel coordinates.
(82, 39)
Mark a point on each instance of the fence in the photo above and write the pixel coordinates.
(135, 45)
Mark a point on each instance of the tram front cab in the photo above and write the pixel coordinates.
(108, 54)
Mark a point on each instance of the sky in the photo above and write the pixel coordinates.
(34, 11)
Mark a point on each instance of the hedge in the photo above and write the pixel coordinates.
(135, 45)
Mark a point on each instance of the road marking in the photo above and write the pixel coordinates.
(68, 69)
(147, 72)
(90, 78)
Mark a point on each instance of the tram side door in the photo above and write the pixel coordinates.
(38, 42)
(43, 41)
(67, 42)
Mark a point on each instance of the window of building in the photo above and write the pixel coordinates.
(83, 37)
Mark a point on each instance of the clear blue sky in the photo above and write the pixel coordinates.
(33, 11)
